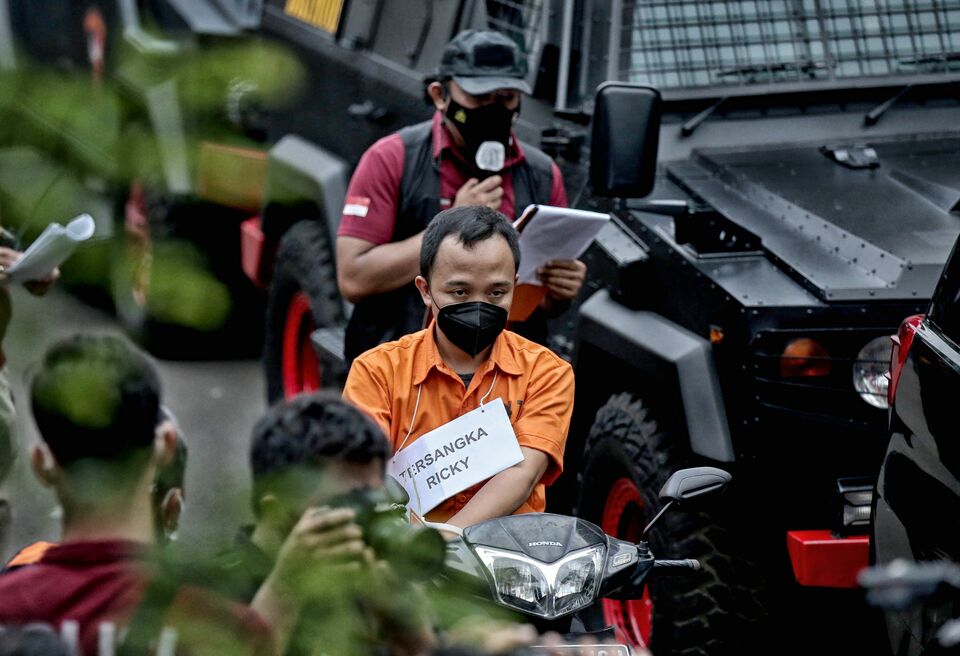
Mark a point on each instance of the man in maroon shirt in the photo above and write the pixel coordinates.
(96, 403)
(467, 155)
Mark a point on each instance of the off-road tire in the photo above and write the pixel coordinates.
(714, 611)
(304, 264)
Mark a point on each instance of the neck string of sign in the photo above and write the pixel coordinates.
(484, 397)
(416, 408)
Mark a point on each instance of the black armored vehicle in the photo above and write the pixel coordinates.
(805, 174)
(784, 179)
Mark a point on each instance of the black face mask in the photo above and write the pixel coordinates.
(472, 326)
(485, 131)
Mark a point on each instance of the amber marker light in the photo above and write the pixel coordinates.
(716, 334)
(804, 357)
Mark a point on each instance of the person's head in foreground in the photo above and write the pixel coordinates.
(96, 403)
(308, 452)
(477, 90)
(468, 271)
(317, 463)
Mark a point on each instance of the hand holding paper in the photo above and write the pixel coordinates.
(48, 251)
(554, 234)
(562, 278)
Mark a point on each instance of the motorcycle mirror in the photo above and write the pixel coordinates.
(687, 484)
(694, 482)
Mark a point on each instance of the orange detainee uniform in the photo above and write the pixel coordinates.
(534, 383)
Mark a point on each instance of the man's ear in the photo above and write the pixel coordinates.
(165, 444)
(424, 288)
(44, 465)
(435, 91)
(170, 509)
(270, 510)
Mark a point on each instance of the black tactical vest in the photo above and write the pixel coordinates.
(386, 317)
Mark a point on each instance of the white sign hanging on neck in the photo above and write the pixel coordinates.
(456, 456)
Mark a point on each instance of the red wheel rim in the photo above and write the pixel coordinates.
(301, 368)
(623, 517)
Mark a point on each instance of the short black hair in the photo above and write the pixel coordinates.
(311, 430)
(96, 397)
(470, 224)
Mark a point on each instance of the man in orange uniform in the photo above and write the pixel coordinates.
(423, 381)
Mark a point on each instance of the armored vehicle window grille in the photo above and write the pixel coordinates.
(518, 19)
(691, 43)
(827, 396)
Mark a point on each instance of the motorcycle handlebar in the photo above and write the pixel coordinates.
(667, 566)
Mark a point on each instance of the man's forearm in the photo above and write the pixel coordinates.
(500, 496)
(280, 608)
(380, 269)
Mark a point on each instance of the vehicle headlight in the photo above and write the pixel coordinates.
(548, 590)
(520, 584)
(577, 580)
(871, 372)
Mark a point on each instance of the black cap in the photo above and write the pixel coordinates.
(481, 61)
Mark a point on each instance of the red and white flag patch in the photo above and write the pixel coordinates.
(356, 206)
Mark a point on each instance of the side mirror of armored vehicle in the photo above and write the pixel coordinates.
(694, 482)
(623, 149)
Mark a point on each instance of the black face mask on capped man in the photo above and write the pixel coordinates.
(485, 131)
(472, 326)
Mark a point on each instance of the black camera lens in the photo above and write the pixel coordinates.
(414, 552)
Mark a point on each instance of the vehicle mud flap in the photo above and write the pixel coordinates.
(718, 610)
(303, 296)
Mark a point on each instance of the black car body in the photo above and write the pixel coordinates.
(918, 490)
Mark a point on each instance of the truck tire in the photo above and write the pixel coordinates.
(627, 460)
(303, 296)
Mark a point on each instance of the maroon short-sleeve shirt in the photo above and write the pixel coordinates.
(373, 197)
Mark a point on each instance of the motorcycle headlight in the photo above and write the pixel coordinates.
(871, 372)
(547, 590)
(577, 581)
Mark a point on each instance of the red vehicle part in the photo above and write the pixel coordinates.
(901, 348)
(820, 559)
(624, 516)
(301, 368)
(252, 256)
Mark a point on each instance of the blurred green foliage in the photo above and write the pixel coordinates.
(178, 288)
(208, 74)
(70, 144)
(350, 611)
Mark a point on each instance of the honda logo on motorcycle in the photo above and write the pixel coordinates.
(544, 543)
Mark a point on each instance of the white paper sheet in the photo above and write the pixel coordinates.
(48, 251)
(456, 456)
(556, 233)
